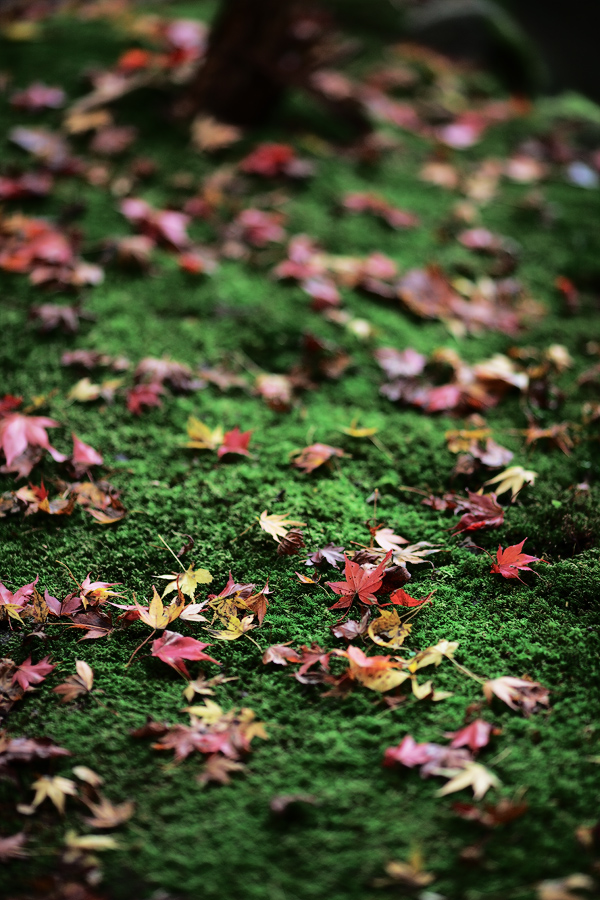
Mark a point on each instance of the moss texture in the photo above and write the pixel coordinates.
(223, 841)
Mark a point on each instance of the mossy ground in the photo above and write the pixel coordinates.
(223, 841)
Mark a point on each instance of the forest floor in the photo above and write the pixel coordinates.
(190, 839)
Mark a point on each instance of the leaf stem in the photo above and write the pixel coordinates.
(139, 648)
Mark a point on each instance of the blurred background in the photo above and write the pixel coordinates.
(533, 46)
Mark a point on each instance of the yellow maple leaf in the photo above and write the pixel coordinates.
(433, 656)
(235, 629)
(201, 437)
(56, 789)
(277, 525)
(188, 581)
(512, 479)
(389, 630)
(156, 615)
(473, 775)
(210, 713)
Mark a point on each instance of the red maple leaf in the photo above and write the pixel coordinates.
(144, 395)
(510, 561)
(173, 648)
(474, 736)
(360, 583)
(235, 441)
(30, 673)
(18, 432)
(401, 598)
(165, 225)
(84, 456)
(310, 458)
(479, 511)
(268, 160)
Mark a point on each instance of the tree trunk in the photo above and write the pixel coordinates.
(251, 55)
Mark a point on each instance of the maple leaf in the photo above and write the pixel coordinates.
(511, 561)
(306, 579)
(13, 846)
(479, 511)
(235, 441)
(291, 543)
(408, 753)
(202, 437)
(280, 654)
(173, 648)
(166, 225)
(350, 629)
(401, 598)
(311, 656)
(144, 395)
(414, 553)
(25, 750)
(270, 160)
(108, 815)
(378, 673)
(76, 685)
(512, 479)
(258, 603)
(472, 775)
(387, 540)
(96, 591)
(84, 456)
(474, 736)
(330, 553)
(277, 525)
(235, 628)
(360, 583)
(56, 789)
(310, 458)
(218, 768)
(29, 673)
(19, 432)
(556, 434)
(518, 693)
(389, 630)
(13, 604)
(88, 775)
(187, 582)
(156, 615)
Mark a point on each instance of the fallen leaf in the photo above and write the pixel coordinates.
(512, 480)
(277, 525)
(173, 648)
(280, 654)
(518, 693)
(54, 788)
(29, 673)
(473, 775)
(474, 736)
(310, 458)
(186, 582)
(108, 815)
(13, 847)
(511, 561)
(76, 685)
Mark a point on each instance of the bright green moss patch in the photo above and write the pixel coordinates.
(223, 841)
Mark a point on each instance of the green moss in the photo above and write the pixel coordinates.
(223, 841)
